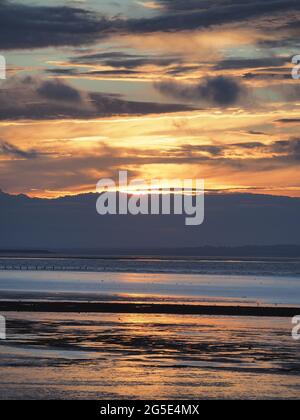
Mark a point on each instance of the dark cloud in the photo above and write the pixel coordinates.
(248, 63)
(288, 148)
(177, 6)
(110, 105)
(278, 153)
(287, 31)
(256, 133)
(130, 64)
(220, 91)
(93, 73)
(267, 76)
(289, 121)
(8, 149)
(183, 5)
(121, 64)
(57, 90)
(35, 99)
(190, 15)
(110, 73)
(63, 72)
(126, 61)
(182, 70)
(31, 26)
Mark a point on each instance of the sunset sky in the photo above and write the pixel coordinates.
(163, 89)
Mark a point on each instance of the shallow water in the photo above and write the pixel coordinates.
(234, 289)
(148, 357)
(283, 267)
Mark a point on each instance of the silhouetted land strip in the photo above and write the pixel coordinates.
(131, 308)
(213, 252)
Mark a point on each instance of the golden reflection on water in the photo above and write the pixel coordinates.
(148, 356)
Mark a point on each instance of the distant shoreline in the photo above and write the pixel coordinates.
(247, 252)
(158, 309)
(147, 257)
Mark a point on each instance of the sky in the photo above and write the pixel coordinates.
(162, 89)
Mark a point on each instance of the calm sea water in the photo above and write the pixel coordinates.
(272, 282)
(267, 267)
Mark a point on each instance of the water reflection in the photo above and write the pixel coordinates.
(243, 289)
(148, 356)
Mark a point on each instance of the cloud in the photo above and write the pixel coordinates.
(220, 91)
(57, 90)
(97, 74)
(32, 26)
(252, 63)
(126, 61)
(257, 155)
(107, 105)
(289, 121)
(36, 99)
(118, 65)
(191, 15)
(289, 149)
(81, 171)
(268, 76)
(8, 149)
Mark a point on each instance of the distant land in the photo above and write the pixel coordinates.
(247, 252)
(241, 225)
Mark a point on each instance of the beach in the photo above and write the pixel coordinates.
(150, 335)
(135, 356)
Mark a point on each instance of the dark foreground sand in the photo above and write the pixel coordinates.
(136, 308)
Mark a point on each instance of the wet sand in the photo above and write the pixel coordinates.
(148, 336)
(146, 356)
(134, 308)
